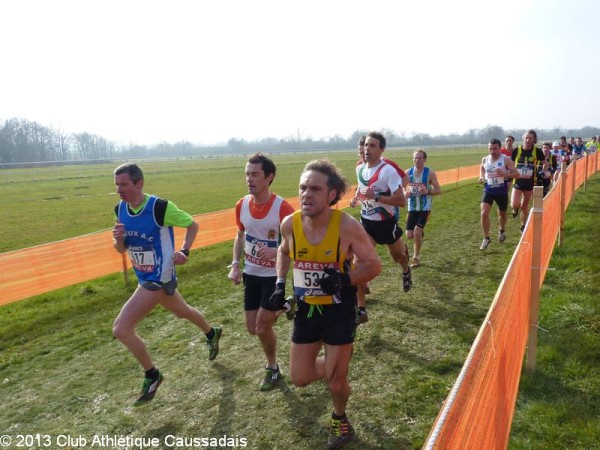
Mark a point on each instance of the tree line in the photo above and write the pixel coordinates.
(23, 141)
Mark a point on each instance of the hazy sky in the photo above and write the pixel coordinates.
(149, 71)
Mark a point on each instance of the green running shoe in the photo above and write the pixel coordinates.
(213, 344)
(272, 377)
(149, 388)
(340, 433)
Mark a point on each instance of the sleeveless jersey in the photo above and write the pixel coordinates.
(383, 179)
(495, 184)
(418, 202)
(149, 245)
(526, 162)
(310, 260)
(259, 232)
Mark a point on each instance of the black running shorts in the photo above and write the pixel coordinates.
(501, 200)
(382, 231)
(333, 324)
(416, 219)
(257, 291)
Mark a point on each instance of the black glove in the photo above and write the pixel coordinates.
(333, 281)
(277, 299)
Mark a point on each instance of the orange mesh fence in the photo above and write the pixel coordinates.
(550, 227)
(41, 269)
(450, 176)
(36, 270)
(478, 412)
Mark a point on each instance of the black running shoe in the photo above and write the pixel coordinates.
(362, 317)
(407, 280)
(213, 344)
(290, 313)
(272, 377)
(149, 388)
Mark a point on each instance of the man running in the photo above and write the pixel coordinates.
(527, 158)
(363, 316)
(144, 229)
(422, 185)
(258, 217)
(379, 192)
(507, 150)
(322, 242)
(495, 169)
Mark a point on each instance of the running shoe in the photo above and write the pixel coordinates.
(213, 344)
(515, 212)
(501, 236)
(340, 433)
(522, 228)
(362, 317)
(415, 263)
(484, 243)
(149, 388)
(272, 377)
(407, 280)
(290, 313)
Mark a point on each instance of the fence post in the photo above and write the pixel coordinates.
(585, 173)
(574, 186)
(563, 205)
(125, 274)
(536, 260)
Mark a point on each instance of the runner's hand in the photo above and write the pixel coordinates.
(277, 299)
(333, 281)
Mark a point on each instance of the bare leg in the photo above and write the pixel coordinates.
(305, 366)
(137, 307)
(337, 361)
(264, 330)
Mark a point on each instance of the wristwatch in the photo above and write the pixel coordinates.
(377, 196)
(185, 251)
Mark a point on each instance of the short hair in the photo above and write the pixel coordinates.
(379, 136)
(495, 142)
(362, 140)
(266, 164)
(562, 137)
(132, 169)
(335, 179)
(547, 143)
(421, 150)
(534, 135)
(509, 136)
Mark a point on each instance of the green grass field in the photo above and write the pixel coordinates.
(49, 204)
(63, 373)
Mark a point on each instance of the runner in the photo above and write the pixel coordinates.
(144, 229)
(322, 242)
(422, 185)
(258, 217)
(527, 158)
(495, 169)
(379, 192)
(363, 316)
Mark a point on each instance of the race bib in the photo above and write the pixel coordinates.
(142, 258)
(414, 189)
(492, 179)
(251, 247)
(306, 277)
(526, 171)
